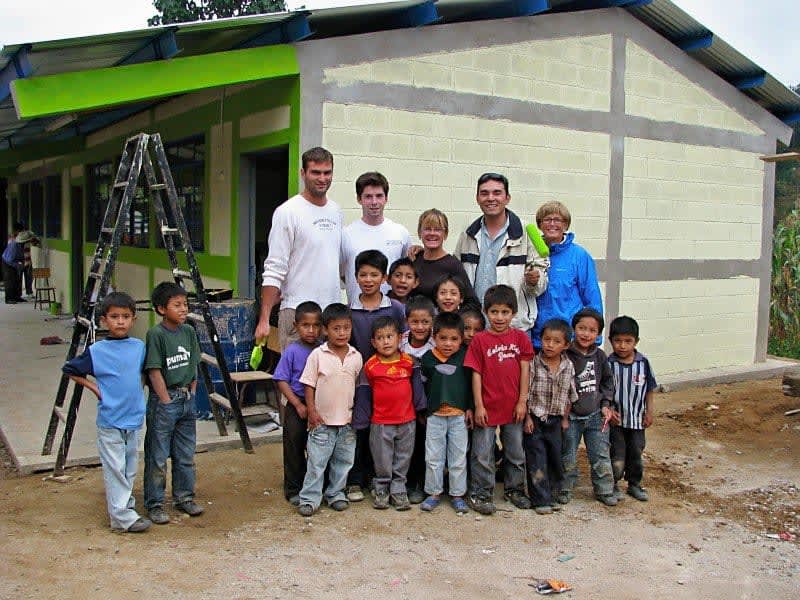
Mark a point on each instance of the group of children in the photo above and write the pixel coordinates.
(405, 390)
(168, 360)
(400, 392)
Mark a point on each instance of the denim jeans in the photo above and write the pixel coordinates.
(329, 447)
(543, 460)
(118, 450)
(482, 463)
(171, 433)
(446, 439)
(627, 446)
(597, 449)
(391, 447)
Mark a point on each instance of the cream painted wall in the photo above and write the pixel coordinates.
(264, 122)
(59, 276)
(134, 280)
(573, 72)
(435, 160)
(694, 324)
(683, 201)
(219, 201)
(655, 90)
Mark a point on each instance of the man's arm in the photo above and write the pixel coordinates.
(276, 266)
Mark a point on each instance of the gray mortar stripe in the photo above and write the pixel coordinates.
(675, 269)
(404, 97)
(765, 264)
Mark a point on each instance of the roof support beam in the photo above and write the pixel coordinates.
(293, 29)
(511, 8)
(630, 3)
(695, 43)
(750, 82)
(18, 67)
(160, 47)
(417, 15)
(791, 118)
(100, 88)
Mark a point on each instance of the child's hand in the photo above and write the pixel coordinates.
(564, 423)
(481, 418)
(469, 418)
(520, 410)
(302, 410)
(648, 419)
(616, 418)
(314, 420)
(529, 425)
(421, 418)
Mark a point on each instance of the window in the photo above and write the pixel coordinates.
(137, 225)
(187, 163)
(37, 207)
(101, 178)
(53, 207)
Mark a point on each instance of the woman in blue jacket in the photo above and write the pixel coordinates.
(573, 279)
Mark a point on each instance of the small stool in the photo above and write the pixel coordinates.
(45, 293)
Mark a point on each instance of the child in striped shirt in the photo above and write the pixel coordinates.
(635, 384)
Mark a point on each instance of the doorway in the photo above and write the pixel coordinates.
(263, 185)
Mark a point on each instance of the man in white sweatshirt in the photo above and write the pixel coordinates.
(304, 243)
(373, 231)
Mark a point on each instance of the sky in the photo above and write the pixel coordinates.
(763, 31)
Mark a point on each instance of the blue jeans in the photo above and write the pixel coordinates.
(482, 463)
(446, 439)
(329, 447)
(597, 449)
(171, 433)
(118, 450)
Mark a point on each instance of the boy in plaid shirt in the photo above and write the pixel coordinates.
(552, 392)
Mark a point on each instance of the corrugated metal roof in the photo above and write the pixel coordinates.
(59, 56)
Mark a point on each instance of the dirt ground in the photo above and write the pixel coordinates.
(723, 471)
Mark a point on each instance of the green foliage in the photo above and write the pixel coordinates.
(787, 177)
(784, 315)
(182, 11)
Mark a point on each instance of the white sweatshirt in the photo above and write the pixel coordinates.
(303, 259)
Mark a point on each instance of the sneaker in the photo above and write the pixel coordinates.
(340, 505)
(190, 507)
(638, 493)
(354, 493)
(294, 500)
(459, 505)
(416, 496)
(563, 496)
(608, 499)
(305, 510)
(381, 500)
(430, 503)
(543, 510)
(618, 493)
(158, 515)
(400, 501)
(139, 525)
(481, 505)
(518, 499)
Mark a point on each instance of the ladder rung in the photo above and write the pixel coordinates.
(249, 376)
(196, 318)
(170, 230)
(209, 360)
(84, 321)
(220, 399)
(60, 413)
(184, 274)
(121, 184)
(95, 276)
(158, 186)
(107, 230)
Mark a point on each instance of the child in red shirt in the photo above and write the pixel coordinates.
(397, 396)
(500, 359)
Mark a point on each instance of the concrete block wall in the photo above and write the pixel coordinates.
(656, 157)
(573, 72)
(655, 90)
(690, 202)
(689, 323)
(435, 160)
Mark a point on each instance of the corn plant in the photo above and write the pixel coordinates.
(784, 317)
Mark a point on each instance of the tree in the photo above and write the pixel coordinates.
(181, 11)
